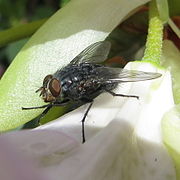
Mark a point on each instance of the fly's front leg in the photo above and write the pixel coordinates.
(122, 95)
(83, 120)
(44, 113)
(48, 107)
(63, 103)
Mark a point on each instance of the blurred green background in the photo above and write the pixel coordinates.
(127, 39)
(14, 13)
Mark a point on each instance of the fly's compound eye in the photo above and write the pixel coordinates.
(46, 80)
(54, 87)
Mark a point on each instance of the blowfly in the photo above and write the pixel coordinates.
(84, 78)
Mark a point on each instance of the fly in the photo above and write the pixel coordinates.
(84, 78)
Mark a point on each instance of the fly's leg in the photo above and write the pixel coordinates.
(83, 120)
(84, 117)
(48, 107)
(62, 103)
(44, 112)
(122, 95)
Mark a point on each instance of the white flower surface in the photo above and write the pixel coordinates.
(123, 136)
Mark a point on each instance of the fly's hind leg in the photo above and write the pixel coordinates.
(83, 120)
(122, 95)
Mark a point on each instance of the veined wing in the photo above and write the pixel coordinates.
(112, 75)
(95, 53)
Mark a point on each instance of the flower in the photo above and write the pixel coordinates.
(123, 136)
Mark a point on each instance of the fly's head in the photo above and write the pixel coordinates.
(51, 89)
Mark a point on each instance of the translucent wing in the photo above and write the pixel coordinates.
(95, 53)
(112, 75)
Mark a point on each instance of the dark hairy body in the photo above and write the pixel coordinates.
(82, 82)
(84, 78)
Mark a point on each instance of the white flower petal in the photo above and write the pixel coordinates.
(127, 146)
(130, 147)
(14, 164)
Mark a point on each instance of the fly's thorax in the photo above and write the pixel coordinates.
(78, 80)
(51, 88)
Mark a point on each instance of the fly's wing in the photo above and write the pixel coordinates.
(95, 53)
(115, 75)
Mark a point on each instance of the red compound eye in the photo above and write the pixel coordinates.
(54, 87)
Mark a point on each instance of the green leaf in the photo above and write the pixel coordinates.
(74, 27)
(19, 32)
(174, 7)
(64, 2)
(163, 10)
(13, 48)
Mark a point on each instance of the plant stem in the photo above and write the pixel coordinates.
(19, 32)
(153, 49)
(174, 27)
